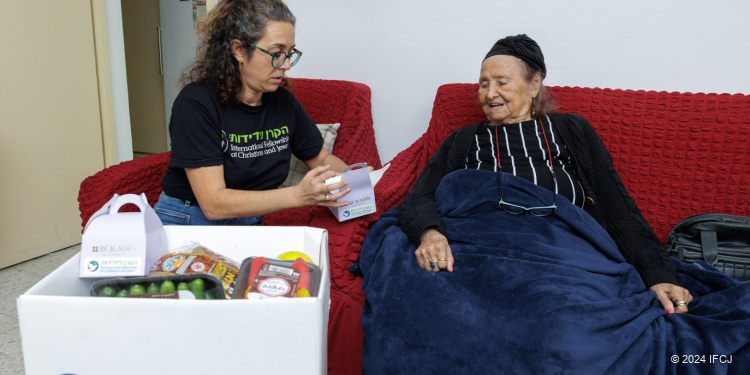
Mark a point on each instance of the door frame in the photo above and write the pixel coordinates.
(104, 76)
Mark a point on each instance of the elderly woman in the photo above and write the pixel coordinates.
(556, 151)
(234, 127)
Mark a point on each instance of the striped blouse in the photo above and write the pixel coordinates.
(523, 152)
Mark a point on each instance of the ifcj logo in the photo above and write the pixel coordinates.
(93, 266)
(347, 213)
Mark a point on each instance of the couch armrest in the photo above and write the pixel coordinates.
(142, 175)
(455, 106)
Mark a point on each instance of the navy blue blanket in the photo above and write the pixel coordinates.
(536, 295)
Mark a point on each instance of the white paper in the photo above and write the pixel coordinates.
(374, 177)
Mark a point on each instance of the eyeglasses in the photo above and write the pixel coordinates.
(518, 210)
(278, 58)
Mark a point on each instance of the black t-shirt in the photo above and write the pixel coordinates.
(253, 143)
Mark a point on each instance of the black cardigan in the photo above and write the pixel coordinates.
(607, 200)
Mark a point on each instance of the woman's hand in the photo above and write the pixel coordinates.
(674, 298)
(312, 190)
(434, 251)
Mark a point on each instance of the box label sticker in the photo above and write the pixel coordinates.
(108, 266)
(359, 211)
(274, 281)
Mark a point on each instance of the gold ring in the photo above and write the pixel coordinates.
(680, 303)
(442, 259)
(326, 198)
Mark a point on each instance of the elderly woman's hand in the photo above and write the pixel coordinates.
(434, 253)
(674, 298)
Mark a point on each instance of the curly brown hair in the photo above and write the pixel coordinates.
(244, 20)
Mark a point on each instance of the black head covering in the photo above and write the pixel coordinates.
(524, 48)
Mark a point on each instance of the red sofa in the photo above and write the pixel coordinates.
(678, 154)
(347, 103)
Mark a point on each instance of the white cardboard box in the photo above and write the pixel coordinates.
(121, 243)
(64, 331)
(362, 196)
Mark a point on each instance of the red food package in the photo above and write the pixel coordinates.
(272, 280)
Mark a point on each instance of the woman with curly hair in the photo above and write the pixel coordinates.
(234, 127)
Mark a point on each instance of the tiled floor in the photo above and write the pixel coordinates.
(14, 281)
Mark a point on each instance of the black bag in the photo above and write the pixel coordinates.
(720, 240)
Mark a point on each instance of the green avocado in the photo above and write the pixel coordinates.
(152, 288)
(196, 286)
(107, 291)
(167, 287)
(137, 289)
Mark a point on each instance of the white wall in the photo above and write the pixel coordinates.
(179, 43)
(404, 49)
(119, 80)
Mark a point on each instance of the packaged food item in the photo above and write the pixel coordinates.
(199, 286)
(195, 258)
(261, 277)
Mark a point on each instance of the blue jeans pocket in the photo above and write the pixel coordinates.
(169, 217)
